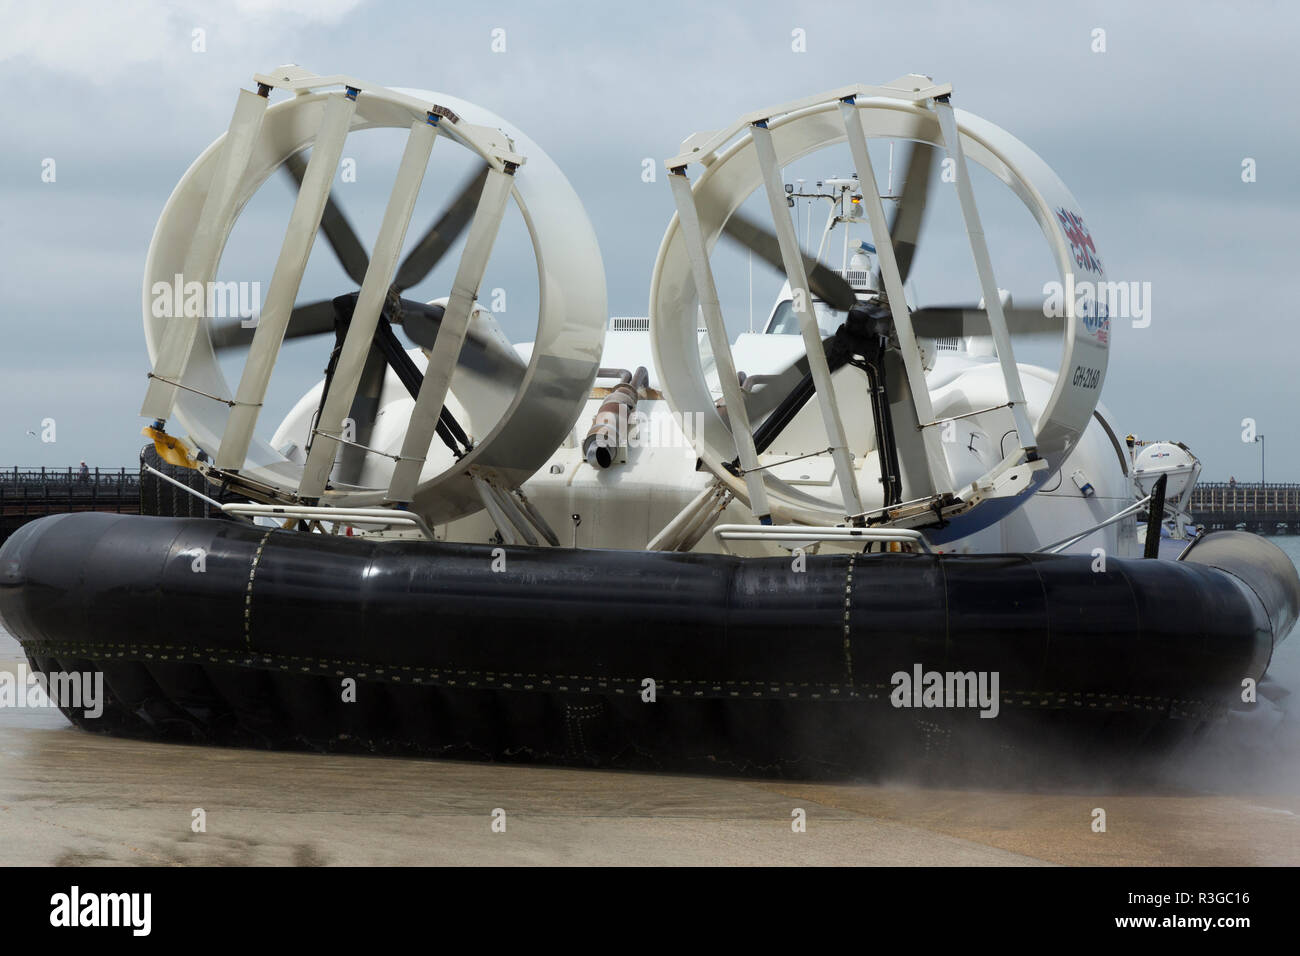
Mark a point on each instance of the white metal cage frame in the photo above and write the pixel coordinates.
(187, 384)
(748, 156)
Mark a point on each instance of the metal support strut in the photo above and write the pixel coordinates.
(365, 316)
(936, 461)
(304, 223)
(803, 308)
(451, 335)
(702, 271)
(988, 284)
(219, 210)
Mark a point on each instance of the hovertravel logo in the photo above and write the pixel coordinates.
(922, 688)
(75, 908)
(65, 690)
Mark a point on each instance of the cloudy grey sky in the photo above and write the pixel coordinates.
(1149, 135)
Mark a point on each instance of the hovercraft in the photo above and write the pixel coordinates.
(641, 540)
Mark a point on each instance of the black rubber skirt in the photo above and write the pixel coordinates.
(212, 631)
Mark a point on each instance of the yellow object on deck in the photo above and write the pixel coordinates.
(171, 450)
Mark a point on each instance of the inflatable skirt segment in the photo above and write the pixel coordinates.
(213, 631)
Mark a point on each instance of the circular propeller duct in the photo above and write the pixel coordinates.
(190, 395)
(883, 350)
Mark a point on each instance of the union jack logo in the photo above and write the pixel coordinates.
(1081, 244)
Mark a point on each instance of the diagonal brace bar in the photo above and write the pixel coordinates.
(936, 461)
(803, 308)
(737, 414)
(451, 333)
(988, 284)
(180, 330)
(370, 302)
(283, 290)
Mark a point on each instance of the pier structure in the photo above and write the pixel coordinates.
(28, 493)
(1253, 506)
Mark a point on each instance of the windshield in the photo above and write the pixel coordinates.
(786, 322)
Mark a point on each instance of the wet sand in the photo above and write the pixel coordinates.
(68, 797)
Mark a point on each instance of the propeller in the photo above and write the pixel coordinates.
(904, 231)
(485, 352)
(934, 322)
(420, 322)
(315, 318)
(862, 340)
(790, 389)
(832, 288)
(338, 231)
(433, 245)
(826, 284)
(909, 212)
(385, 352)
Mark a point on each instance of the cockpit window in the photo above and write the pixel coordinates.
(785, 322)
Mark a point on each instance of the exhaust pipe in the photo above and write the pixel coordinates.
(610, 425)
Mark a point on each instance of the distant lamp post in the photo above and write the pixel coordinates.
(1260, 439)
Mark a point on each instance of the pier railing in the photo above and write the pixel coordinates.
(36, 476)
(28, 492)
(1222, 504)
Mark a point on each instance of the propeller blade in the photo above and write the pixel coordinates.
(433, 245)
(826, 284)
(482, 354)
(957, 321)
(421, 323)
(338, 231)
(863, 333)
(762, 400)
(905, 224)
(314, 318)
